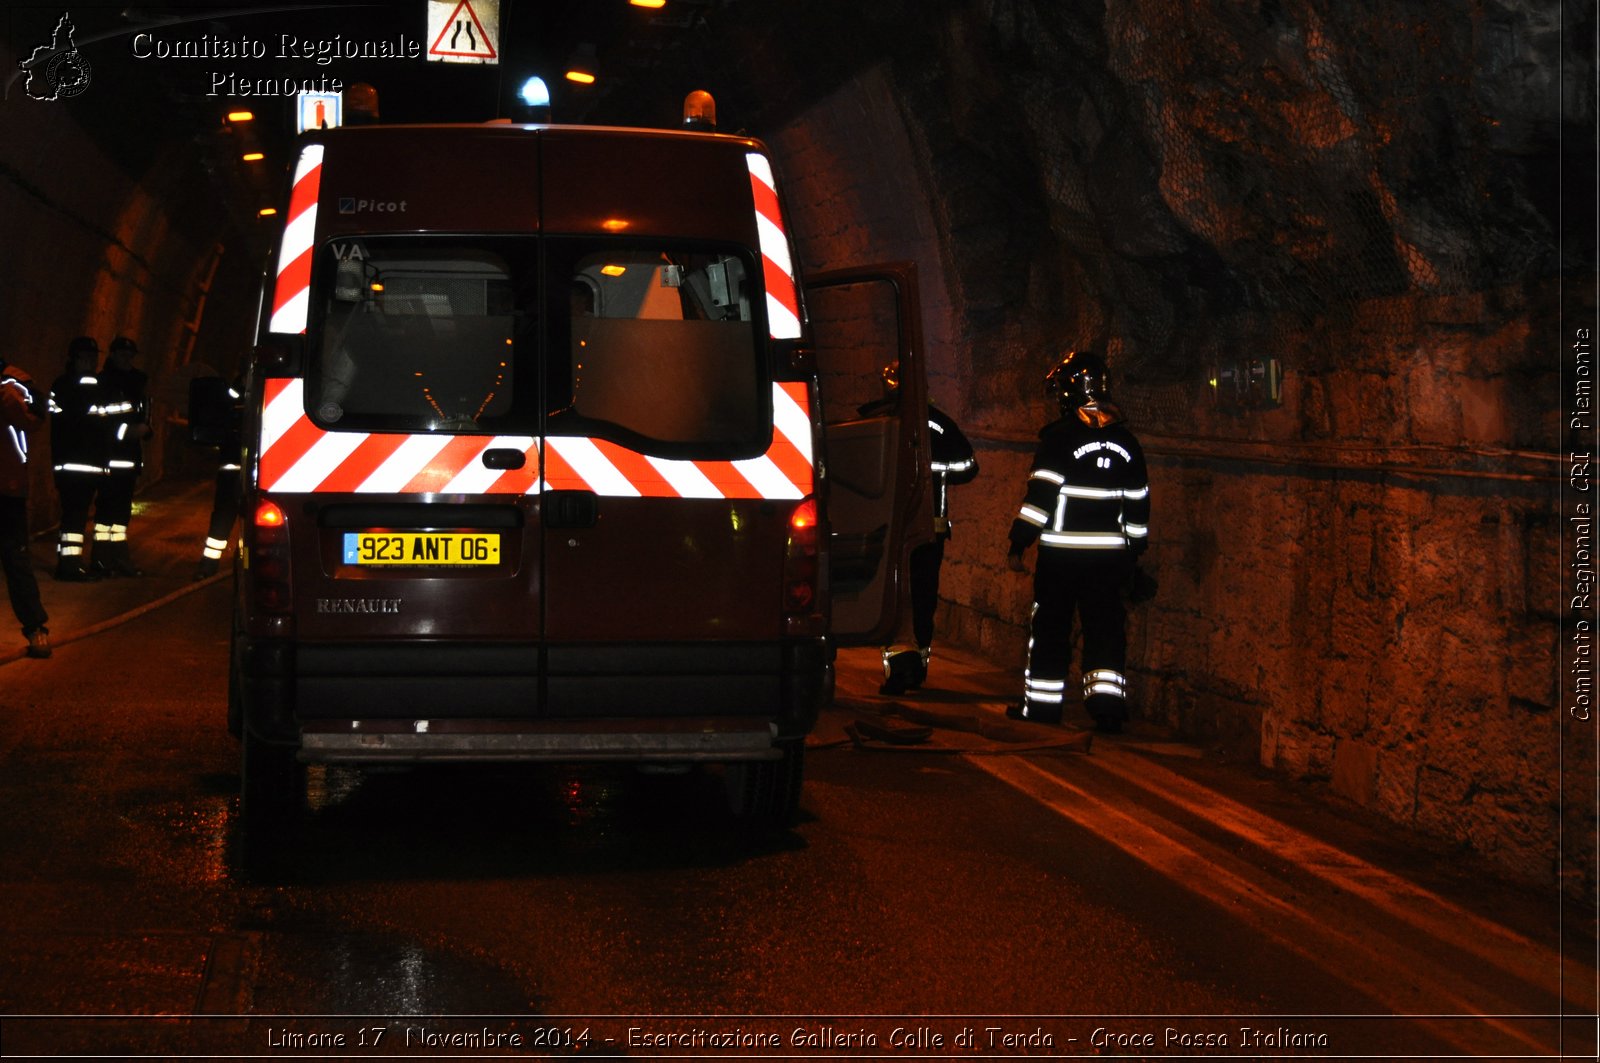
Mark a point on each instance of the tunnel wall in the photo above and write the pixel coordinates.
(102, 245)
(1359, 583)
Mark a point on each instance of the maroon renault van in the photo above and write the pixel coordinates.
(543, 461)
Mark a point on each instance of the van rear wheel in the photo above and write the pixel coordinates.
(272, 782)
(765, 794)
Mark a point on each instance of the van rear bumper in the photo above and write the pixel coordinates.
(421, 700)
(641, 739)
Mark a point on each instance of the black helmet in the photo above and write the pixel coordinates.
(1078, 378)
(123, 343)
(83, 345)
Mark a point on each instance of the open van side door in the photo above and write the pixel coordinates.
(877, 453)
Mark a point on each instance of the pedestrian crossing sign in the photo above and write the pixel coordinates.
(464, 31)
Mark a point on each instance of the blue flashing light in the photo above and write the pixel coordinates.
(535, 93)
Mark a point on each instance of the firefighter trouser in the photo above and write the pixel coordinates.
(925, 563)
(224, 511)
(22, 587)
(114, 509)
(1088, 583)
(76, 491)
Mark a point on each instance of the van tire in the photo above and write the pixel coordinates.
(765, 794)
(272, 783)
(235, 698)
(235, 678)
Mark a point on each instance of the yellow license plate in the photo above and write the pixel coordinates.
(421, 548)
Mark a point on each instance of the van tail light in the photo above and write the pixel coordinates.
(269, 560)
(800, 567)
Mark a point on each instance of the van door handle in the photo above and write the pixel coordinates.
(504, 458)
(571, 509)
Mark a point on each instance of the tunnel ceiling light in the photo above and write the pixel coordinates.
(241, 116)
(266, 212)
(253, 156)
(653, 4)
(582, 77)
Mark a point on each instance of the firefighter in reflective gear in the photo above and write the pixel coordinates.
(1088, 507)
(128, 422)
(952, 462)
(80, 452)
(22, 409)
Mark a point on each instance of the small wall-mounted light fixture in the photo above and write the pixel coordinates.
(1240, 384)
(252, 156)
(583, 68)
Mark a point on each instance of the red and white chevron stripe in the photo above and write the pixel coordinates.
(783, 301)
(291, 294)
(298, 457)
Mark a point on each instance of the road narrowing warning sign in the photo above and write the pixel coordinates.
(464, 31)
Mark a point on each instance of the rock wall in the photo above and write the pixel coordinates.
(1359, 581)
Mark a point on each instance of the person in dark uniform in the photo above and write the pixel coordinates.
(1088, 507)
(127, 413)
(80, 453)
(216, 416)
(952, 462)
(22, 409)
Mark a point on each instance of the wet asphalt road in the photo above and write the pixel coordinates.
(946, 884)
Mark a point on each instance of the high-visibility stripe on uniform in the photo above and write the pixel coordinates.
(783, 299)
(291, 293)
(299, 457)
(1107, 681)
(1085, 540)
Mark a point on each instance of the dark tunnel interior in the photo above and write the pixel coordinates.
(1339, 258)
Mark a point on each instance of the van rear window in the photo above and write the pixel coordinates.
(659, 350)
(652, 346)
(423, 335)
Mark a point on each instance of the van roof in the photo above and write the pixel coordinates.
(503, 177)
(511, 128)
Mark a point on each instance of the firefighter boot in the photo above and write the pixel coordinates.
(70, 570)
(121, 560)
(100, 565)
(902, 671)
(1032, 714)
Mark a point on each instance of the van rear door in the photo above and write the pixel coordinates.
(879, 497)
(405, 458)
(674, 459)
